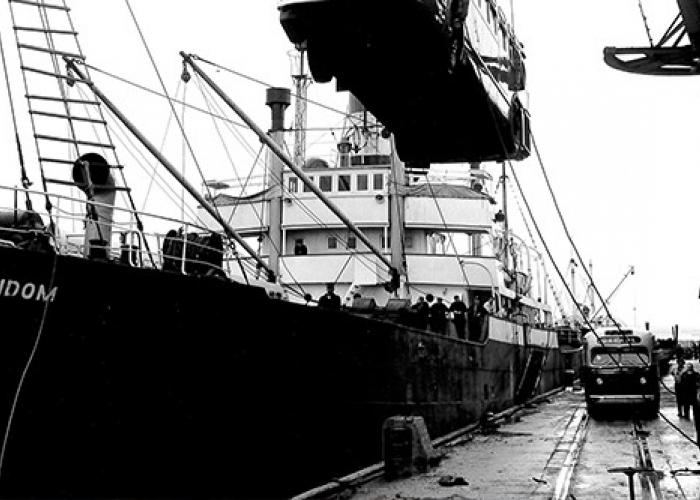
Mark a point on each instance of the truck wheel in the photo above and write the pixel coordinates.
(594, 411)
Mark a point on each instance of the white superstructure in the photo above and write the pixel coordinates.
(452, 244)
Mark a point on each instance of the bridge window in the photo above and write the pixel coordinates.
(362, 184)
(325, 182)
(378, 181)
(343, 183)
(332, 242)
(293, 185)
(307, 189)
(352, 242)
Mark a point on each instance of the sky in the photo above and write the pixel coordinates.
(620, 149)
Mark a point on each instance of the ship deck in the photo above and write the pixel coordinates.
(553, 450)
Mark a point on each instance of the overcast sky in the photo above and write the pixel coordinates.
(621, 150)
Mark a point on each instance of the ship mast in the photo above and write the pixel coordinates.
(302, 80)
(506, 230)
(397, 210)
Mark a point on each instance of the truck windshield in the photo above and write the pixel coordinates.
(610, 357)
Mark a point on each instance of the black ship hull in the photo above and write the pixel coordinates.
(157, 385)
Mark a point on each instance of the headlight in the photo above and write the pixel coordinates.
(642, 380)
(599, 381)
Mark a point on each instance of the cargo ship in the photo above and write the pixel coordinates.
(146, 357)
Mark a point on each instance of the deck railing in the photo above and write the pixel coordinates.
(128, 245)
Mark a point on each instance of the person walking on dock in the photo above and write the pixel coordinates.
(690, 379)
(676, 372)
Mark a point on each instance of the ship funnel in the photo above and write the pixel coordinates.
(91, 173)
(279, 100)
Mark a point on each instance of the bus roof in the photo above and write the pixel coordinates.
(623, 336)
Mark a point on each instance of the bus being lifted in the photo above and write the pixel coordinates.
(620, 370)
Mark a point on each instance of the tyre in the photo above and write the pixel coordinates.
(594, 411)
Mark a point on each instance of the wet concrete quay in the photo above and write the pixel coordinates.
(553, 450)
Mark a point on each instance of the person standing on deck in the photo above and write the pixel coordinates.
(438, 316)
(422, 311)
(429, 299)
(459, 316)
(330, 300)
(300, 248)
(677, 371)
(477, 313)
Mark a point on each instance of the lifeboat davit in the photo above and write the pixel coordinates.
(442, 75)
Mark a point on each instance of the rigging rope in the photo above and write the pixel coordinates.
(170, 102)
(568, 235)
(646, 24)
(128, 144)
(27, 366)
(212, 105)
(548, 279)
(265, 84)
(162, 145)
(156, 93)
(678, 429)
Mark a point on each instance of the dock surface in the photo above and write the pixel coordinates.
(553, 450)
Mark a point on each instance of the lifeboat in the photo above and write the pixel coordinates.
(443, 76)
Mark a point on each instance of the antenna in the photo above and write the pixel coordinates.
(302, 80)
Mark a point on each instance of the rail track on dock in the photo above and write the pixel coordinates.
(552, 449)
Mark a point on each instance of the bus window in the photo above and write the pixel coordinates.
(604, 357)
